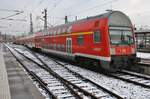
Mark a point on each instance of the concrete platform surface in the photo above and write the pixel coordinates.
(4, 86)
(21, 86)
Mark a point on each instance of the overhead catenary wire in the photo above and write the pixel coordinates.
(87, 10)
(11, 15)
(56, 4)
(8, 10)
(99, 5)
(40, 2)
(23, 20)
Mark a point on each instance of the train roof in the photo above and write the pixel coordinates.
(143, 31)
(116, 18)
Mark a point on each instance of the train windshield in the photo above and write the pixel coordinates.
(121, 37)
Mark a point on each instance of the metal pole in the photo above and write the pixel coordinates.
(31, 24)
(45, 19)
(66, 19)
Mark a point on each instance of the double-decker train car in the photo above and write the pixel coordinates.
(106, 40)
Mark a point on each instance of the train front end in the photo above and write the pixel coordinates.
(122, 41)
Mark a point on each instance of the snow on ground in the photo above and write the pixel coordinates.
(28, 54)
(143, 55)
(130, 91)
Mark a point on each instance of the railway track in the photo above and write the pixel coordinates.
(53, 86)
(80, 86)
(128, 76)
(144, 62)
(131, 77)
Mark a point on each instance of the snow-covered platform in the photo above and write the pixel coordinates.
(144, 65)
(143, 55)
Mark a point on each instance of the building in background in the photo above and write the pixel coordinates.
(6, 37)
(143, 39)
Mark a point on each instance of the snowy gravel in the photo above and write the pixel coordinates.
(129, 90)
(28, 54)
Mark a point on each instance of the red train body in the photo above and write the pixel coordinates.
(106, 40)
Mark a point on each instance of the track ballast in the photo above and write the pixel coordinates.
(79, 87)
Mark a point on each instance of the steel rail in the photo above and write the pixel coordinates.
(133, 74)
(77, 74)
(127, 80)
(46, 67)
(41, 83)
(65, 82)
(85, 79)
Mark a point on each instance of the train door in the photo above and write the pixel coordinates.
(69, 45)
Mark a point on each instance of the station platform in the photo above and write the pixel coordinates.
(4, 85)
(14, 81)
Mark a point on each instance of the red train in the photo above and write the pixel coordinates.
(106, 40)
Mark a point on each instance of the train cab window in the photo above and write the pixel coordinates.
(54, 32)
(80, 40)
(97, 37)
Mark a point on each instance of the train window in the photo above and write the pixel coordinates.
(69, 29)
(59, 31)
(51, 46)
(54, 46)
(80, 39)
(62, 47)
(64, 30)
(58, 47)
(46, 32)
(54, 32)
(97, 37)
(49, 32)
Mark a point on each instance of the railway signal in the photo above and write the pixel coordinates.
(45, 18)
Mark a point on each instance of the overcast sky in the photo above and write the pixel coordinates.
(137, 10)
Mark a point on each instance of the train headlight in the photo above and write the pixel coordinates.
(133, 50)
(112, 51)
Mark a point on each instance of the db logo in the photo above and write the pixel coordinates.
(123, 50)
